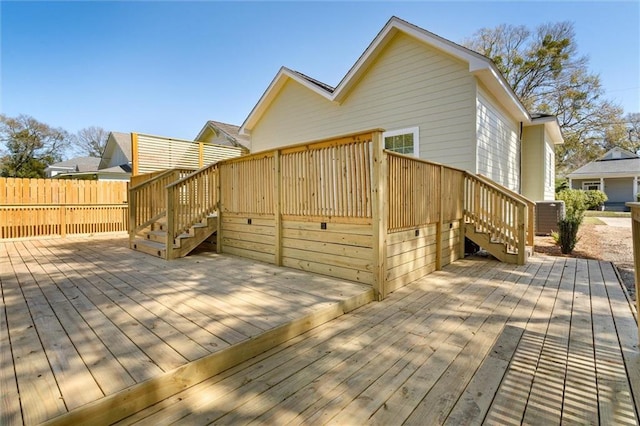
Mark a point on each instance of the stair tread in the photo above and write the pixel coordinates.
(149, 243)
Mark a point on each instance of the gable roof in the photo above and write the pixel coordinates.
(78, 164)
(627, 164)
(230, 131)
(116, 140)
(480, 66)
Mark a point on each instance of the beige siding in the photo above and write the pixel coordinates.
(549, 169)
(498, 154)
(408, 85)
(533, 162)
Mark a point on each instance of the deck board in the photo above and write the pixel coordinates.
(480, 342)
(466, 345)
(86, 318)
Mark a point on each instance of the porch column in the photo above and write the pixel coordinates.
(635, 189)
(602, 184)
(570, 183)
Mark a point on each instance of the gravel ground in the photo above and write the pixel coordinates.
(610, 241)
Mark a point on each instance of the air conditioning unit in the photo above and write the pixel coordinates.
(548, 213)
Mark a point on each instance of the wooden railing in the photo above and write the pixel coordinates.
(422, 192)
(499, 212)
(148, 200)
(330, 179)
(247, 184)
(191, 199)
(635, 235)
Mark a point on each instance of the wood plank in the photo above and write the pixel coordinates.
(509, 404)
(40, 397)
(115, 407)
(10, 413)
(329, 237)
(580, 402)
(547, 391)
(618, 372)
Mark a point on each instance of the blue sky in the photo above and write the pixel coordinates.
(166, 67)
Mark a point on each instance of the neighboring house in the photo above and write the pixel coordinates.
(74, 165)
(436, 100)
(616, 173)
(219, 133)
(117, 151)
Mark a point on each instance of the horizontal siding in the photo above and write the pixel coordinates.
(408, 85)
(254, 241)
(341, 250)
(411, 256)
(498, 145)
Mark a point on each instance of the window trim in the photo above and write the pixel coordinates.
(588, 183)
(405, 131)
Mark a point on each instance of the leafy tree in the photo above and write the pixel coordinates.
(29, 146)
(633, 131)
(91, 141)
(549, 76)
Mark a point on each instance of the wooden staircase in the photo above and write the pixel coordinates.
(172, 213)
(153, 239)
(494, 246)
(498, 220)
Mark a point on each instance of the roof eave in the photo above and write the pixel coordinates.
(552, 126)
(272, 91)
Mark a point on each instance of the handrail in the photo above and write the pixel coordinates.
(147, 201)
(503, 188)
(531, 206)
(189, 200)
(496, 211)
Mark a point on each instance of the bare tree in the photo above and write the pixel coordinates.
(549, 76)
(91, 141)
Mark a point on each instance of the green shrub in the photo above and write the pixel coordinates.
(575, 202)
(595, 199)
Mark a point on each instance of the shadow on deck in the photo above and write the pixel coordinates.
(91, 331)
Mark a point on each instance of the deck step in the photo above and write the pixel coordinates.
(496, 248)
(150, 247)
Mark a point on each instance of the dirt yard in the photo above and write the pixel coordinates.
(601, 238)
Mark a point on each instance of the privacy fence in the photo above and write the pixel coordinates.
(58, 207)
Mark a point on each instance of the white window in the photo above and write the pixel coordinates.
(591, 186)
(403, 141)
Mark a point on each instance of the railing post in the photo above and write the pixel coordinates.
(531, 225)
(135, 169)
(132, 214)
(439, 224)
(379, 204)
(635, 235)
(277, 183)
(219, 208)
(170, 203)
(522, 237)
(463, 222)
(200, 155)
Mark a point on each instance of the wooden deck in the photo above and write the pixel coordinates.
(551, 342)
(88, 322)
